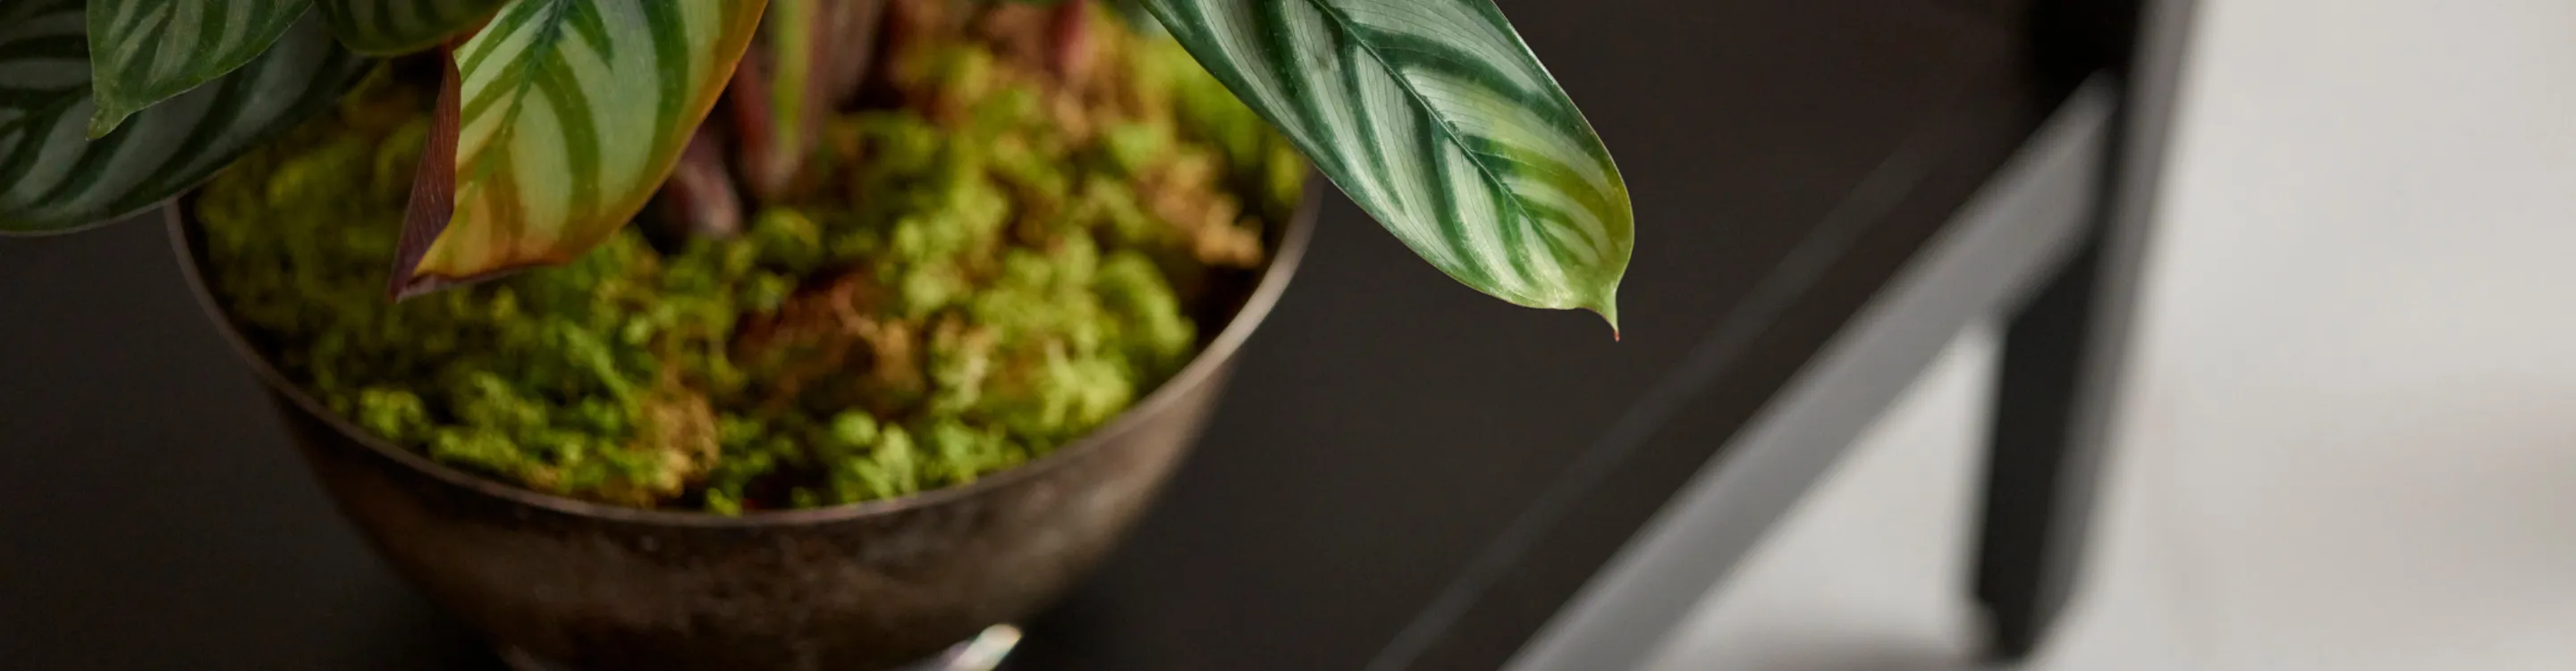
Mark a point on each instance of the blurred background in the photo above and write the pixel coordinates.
(2348, 441)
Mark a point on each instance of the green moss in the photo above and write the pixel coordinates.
(970, 295)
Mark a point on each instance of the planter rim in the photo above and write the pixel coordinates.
(1203, 366)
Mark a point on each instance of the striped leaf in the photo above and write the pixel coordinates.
(53, 179)
(395, 27)
(146, 51)
(573, 112)
(1436, 119)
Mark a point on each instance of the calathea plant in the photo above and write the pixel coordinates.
(559, 119)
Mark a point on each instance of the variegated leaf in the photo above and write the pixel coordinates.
(53, 179)
(145, 51)
(395, 27)
(574, 111)
(1437, 120)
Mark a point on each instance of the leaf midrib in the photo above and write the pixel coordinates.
(1446, 131)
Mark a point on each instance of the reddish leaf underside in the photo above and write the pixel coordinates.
(433, 187)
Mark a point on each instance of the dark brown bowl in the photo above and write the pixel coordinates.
(860, 586)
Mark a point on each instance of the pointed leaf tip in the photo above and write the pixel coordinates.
(1602, 300)
(163, 49)
(47, 98)
(1435, 118)
(105, 121)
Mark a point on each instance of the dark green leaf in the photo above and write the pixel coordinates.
(145, 51)
(1437, 120)
(395, 27)
(53, 179)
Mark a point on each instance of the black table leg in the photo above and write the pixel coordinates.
(2063, 351)
(2053, 397)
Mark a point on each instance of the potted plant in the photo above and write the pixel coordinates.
(923, 298)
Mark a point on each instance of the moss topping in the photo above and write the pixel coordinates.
(962, 283)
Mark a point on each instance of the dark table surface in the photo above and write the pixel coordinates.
(1385, 427)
